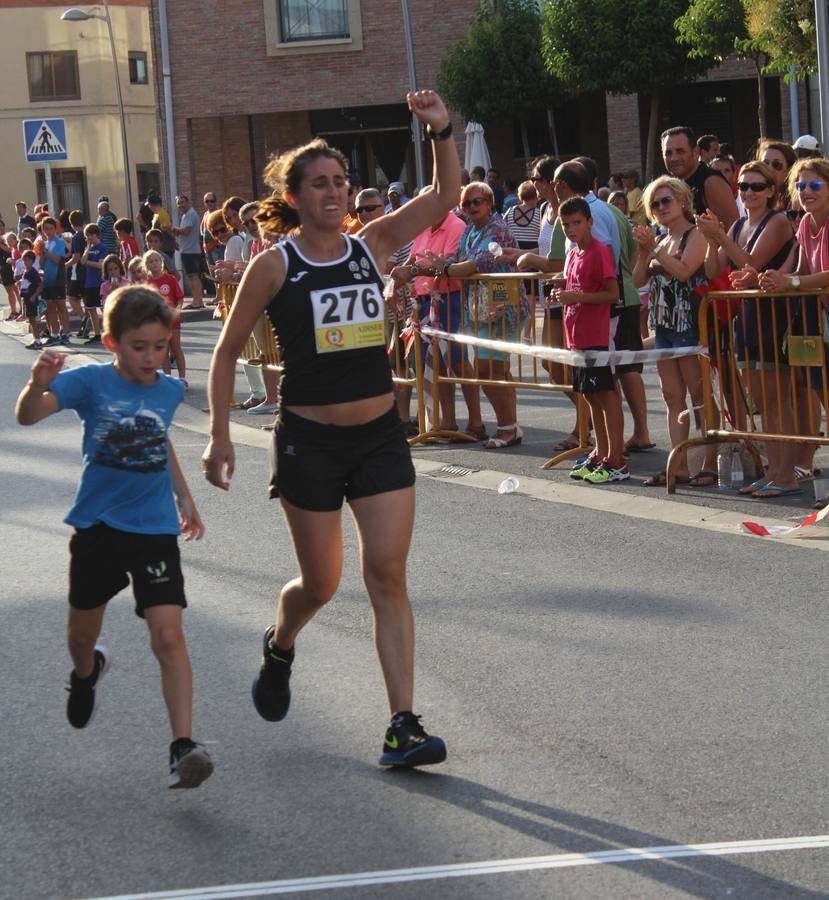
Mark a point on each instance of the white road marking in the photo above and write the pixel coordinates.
(478, 869)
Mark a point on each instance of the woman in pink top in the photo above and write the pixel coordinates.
(809, 181)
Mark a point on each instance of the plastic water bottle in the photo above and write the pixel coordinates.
(509, 485)
(724, 469)
(737, 476)
(495, 248)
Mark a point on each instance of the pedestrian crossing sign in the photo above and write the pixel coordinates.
(45, 140)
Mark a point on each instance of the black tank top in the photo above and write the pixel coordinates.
(781, 255)
(329, 324)
(697, 184)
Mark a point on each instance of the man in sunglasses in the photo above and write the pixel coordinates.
(681, 156)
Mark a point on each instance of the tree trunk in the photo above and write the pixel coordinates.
(525, 141)
(551, 128)
(761, 98)
(650, 153)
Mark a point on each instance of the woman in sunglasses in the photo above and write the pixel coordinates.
(779, 157)
(487, 232)
(675, 265)
(807, 269)
(338, 436)
(759, 240)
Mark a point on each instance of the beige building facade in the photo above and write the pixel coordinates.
(60, 69)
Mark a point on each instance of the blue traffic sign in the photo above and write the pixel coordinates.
(45, 140)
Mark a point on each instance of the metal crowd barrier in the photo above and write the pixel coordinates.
(765, 378)
(494, 295)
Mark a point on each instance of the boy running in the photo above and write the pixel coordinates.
(590, 288)
(132, 501)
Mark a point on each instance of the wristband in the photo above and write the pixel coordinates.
(439, 135)
(446, 270)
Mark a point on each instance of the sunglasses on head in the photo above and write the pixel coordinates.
(364, 209)
(474, 203)
(815, 185)
(756, 186)
(662, 201)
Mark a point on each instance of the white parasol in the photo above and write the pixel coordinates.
(476, 153)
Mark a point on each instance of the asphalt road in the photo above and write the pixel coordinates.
(603, 680)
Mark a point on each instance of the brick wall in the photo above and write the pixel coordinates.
(220, 69)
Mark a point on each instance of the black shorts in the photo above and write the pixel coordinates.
(102, 558)
(54, 292)
(592, 379)
(316, 467)
(31, 305)
(627, 336)
(75, 289)
(191, 263)
(92, 297)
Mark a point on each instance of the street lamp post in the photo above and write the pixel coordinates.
(78, 15)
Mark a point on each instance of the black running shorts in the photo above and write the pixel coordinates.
(103, 560)
(316, 467)
(626, 334)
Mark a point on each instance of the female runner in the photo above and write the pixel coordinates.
(338, 435)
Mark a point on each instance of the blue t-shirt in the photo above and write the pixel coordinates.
(52, 270)
(125, 481)
(95, 254)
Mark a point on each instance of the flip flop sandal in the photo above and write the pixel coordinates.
(751, 488)
(703, 478)
(772, 492)
(496, 443)
(661, 480)
(638, 448)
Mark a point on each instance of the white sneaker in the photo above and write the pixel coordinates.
(263, 409)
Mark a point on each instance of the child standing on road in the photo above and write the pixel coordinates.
(170, 289)
(590, 288)
(93, 262)
(114, 277)
(132, 502)
(31, 287)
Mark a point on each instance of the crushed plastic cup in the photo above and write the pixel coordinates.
(509, 485)
(821, 488)
(495, 248)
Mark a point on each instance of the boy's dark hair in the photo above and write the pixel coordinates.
(48, 220)
(75, 218)
(154, 232)
(30, 256)
(124, 225)
(91, 229)
(704, 142)
(575, 176)
(574, 206)
(133, 306)
(679, 129)
(23, 241)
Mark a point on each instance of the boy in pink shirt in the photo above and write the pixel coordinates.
(591, 287)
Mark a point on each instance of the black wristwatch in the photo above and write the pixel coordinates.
(439, 135)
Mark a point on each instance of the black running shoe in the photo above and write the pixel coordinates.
(271, 691)
(83, 696)
(190, 764)
(407, 743)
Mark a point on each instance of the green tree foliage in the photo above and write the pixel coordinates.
(774, 36)
(619, 46)
(496, 71)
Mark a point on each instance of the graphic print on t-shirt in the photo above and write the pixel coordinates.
(135, 440)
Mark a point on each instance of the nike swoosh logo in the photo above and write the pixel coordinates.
(391, 742)
(298, 276)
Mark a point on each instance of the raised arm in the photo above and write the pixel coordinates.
(36, 400)
(386, 234)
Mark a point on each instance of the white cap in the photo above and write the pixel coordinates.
(805, 142)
